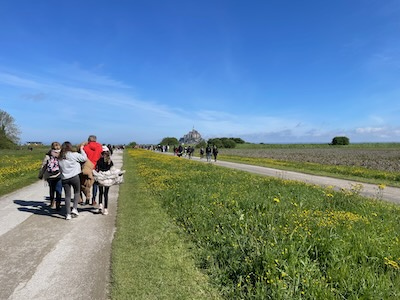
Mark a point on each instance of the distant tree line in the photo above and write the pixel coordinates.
(9, 132)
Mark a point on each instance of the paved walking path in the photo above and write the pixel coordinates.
(390, 194)
(43, 256)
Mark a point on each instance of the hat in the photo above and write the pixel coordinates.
(105, 149)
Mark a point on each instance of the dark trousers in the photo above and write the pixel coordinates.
(75, 183)
(103, 190)
(94, 191)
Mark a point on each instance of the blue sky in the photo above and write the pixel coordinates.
(266, 71)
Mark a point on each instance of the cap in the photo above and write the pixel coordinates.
(105, 149)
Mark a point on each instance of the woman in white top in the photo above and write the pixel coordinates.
(70, 166)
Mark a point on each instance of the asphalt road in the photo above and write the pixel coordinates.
(43, 256)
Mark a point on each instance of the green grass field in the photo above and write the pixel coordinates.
(187, 230)
(264, 238)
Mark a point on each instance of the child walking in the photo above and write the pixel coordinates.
(104, 164)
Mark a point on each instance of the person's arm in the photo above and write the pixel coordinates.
(45, 159)
(81, 157)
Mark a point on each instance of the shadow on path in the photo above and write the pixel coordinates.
(42, 208)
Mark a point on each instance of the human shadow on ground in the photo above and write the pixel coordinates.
(43, 208)
(39, 208)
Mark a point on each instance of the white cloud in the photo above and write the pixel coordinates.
(17, 81)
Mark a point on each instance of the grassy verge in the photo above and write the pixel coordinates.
(150, 260)
(343, 172)
(265, 238)
(19, 168)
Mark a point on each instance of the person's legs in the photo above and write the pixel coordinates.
(106, 189)
(76, 184)
(101, 193)
(94, 192)
(67, 190)
(52, 189)
(58, 188)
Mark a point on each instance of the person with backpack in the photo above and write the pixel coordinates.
(51, 173)
(70, 167)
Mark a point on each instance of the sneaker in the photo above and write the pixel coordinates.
(75, 212)
(68, 217)
(105, 212)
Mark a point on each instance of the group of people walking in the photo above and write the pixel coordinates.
(189, 151)
(62, 168)
(209, 151)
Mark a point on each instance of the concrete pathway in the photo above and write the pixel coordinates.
(43, 256)
(390, 194)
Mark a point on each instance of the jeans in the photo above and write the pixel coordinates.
(55, 186)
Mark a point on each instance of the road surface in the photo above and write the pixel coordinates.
(43, 256)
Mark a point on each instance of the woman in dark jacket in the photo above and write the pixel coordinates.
(104, 164)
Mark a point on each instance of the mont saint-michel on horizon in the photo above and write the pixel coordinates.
(192, 137)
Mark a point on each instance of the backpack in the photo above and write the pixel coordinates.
(53, 168)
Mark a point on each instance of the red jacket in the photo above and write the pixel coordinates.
(93, 151)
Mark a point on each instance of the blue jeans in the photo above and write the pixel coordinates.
(55, 186)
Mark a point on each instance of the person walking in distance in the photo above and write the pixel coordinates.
(215, 152)
(70, 167)
(93, 151)
(208, 153)
(104, 164)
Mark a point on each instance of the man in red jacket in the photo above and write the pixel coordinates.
(93, 151)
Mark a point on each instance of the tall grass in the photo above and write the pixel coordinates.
(149, 259)
(265, 238)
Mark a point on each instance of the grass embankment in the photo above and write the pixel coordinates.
(149, 259)
(19, 168)
(256, 237)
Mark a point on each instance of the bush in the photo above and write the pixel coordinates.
(340, 140)
(223, 142)
(169, 141)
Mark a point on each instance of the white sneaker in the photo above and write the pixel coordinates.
(100, 207)
(105, 212)
(75, 212)
(68, 217)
